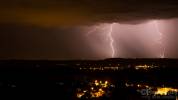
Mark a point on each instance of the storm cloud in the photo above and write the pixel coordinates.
(57, 29)
(84, 12)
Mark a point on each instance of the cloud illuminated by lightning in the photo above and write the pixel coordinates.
(108, 31)
(162, 54)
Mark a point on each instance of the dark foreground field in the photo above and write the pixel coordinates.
(62, 79)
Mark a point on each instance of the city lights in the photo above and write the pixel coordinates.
(97, 89)
(152, 90)
(145, 67)
(165, 91)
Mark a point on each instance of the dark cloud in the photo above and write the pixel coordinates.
(22, 42)
(79, 12)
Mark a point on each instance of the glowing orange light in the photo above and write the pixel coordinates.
(164, 91)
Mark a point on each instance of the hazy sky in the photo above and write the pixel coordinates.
(58, 29)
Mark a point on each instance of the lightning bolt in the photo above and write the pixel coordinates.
(111, 40)
(94, 29)
(162, 54)
(109, 36)
(91, 31)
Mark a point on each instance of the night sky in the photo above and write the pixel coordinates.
(78, 29)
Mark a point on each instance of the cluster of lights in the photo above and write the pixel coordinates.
(99, 68)
(145, 67)
(116, 67)
(137, 85)
(163, 91)
(101, 84)
(97, 89)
